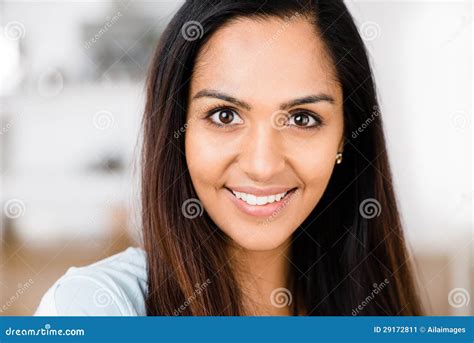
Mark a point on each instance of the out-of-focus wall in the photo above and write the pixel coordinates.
(71, 100)
(421, 52)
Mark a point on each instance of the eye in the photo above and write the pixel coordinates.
(224, 117)
(304, 120)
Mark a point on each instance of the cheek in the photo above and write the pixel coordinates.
(206, 157)
(314, 165)
(314, 162)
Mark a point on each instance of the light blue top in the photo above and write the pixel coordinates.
(114, 286)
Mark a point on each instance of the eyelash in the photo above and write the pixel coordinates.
(214, 110)
(319, 121)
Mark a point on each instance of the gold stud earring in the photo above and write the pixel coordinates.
(339, 158)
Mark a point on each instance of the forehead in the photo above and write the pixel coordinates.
(268, 57)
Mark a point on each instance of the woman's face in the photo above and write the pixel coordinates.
(264, 120)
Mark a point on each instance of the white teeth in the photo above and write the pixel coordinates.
(256, 200)
(251, 199)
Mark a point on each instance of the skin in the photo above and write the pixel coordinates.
(263, 63)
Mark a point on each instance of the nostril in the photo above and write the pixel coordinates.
(262, 158)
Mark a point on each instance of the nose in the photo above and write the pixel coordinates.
(262, 157)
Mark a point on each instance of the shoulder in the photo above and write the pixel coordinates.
(114, 286)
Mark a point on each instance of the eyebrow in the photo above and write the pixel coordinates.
(310, 99)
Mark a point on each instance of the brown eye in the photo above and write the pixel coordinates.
(304, 120)
(301, 120)
(225, 117)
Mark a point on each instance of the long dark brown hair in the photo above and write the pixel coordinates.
(348, 257)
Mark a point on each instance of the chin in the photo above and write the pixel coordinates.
(263, 239)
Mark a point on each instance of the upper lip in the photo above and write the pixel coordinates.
(260, 191)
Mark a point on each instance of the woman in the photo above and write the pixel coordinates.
(266, 187)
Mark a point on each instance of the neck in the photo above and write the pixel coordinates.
(260, 274)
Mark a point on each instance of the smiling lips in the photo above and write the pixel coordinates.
(257, 202)
(252, 199)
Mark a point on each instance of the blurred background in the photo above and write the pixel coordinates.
(71, 98)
